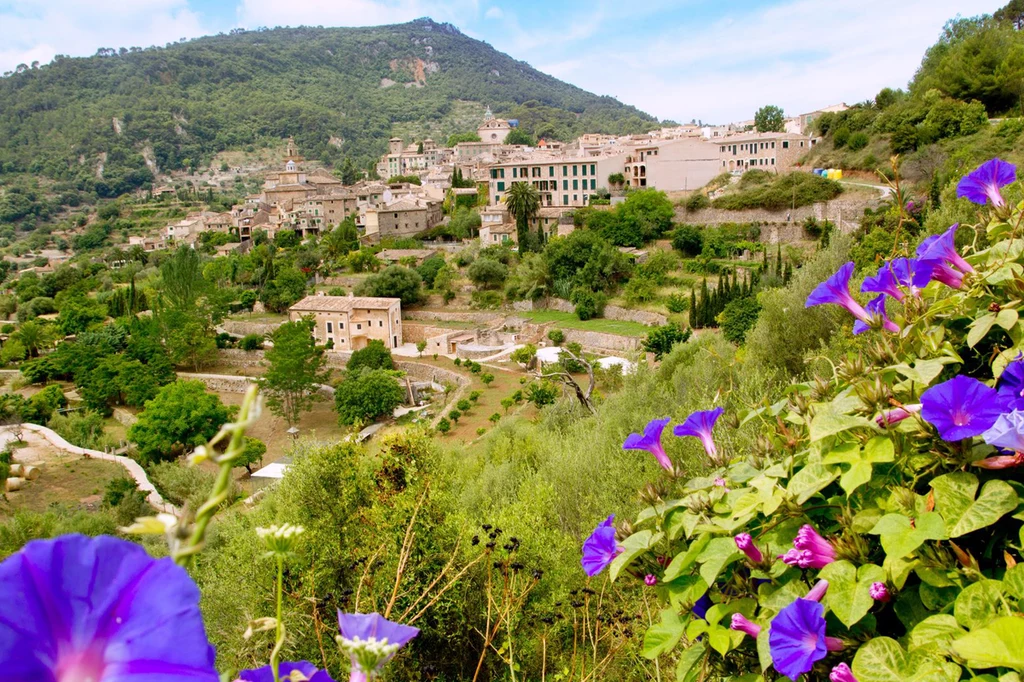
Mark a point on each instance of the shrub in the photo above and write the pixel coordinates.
(525, 355)
(791, 190)
(556, 336)
(455, 415)
(841, 136)
(374, 356)
(688, 240)
(464, 405)
(857, 141)
(487, 300)
(251, 342)
(697, 201)
(367, 394)
(487, 378)
(541, 393)
(677, 303)
(589, 304)
(487, 273)
(444, 426)
(186, 485)
(738, 317)
(661, 339)
(474, 396)
(395, 281)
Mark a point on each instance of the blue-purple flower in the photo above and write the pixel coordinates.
(1006, 434)
(100, 609)
(371, 641)
(961, 407)
(876, 309)
(836, 291)
(941, 248)
(700, 424)
(651, 442)
(1011, 384)
(897, 274)
(797, 638)
(701, 606)
(600, 549)
(284, 670)
(983, 183)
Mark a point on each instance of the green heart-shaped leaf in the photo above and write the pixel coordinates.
(999, 644)
(954, 499)
(663, 635)
(979, 603)
(883, 660)
(900, 538)
(849, 587)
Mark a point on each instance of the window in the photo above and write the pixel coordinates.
(593, 183)
(501, 186)
(396, 215)
(575, 184)
(341, 325)
(551, 171)
(380, 323)
(330, 327)
(514, 171)
(574, 169)
(773, 160)
(593, 169)
(565, 170)
(359, 326)
(773, 145)
(785, 144)
(565, 184)
(565, 199)
(575, 198)
(584, 169)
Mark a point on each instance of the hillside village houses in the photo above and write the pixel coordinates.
(567, 175)
(351, 322)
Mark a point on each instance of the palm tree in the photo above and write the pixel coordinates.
(34, 336)
(523, 202)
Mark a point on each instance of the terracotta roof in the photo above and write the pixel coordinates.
(338, 304)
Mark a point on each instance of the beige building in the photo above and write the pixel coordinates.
(493, 130)
(561, 180)
(352, 321)
(403, 217)
(777, 152)
(671, 165)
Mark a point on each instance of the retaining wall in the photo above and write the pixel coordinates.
(239, 328)
(602, 341)
(611, 312)
(465, 316)
(413, 332)
(844, 213)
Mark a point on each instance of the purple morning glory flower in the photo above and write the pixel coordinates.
(810, 550)
(796, 638)
(371, 641)
(600, 549)
(265, 674)
(100, 609)
(743, 624)
(876, 308)
(899, 272)
(651, 442)
(961, 408)
(1011, 384)
(836, 290)
(700, 424)
(983, 183)
(1007, 433)
(842, 673)
(942, 248)
(650, 580)
(701, 606)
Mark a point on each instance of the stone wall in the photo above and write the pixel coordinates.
(244, 359)
(418, 371)
(451, 316)
(220, 383)
(611, 312)
(239, 328)
(602, 341)
(413, 332)
(845, 213)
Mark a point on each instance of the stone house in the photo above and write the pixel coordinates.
(350, 322)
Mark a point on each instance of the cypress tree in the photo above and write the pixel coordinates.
(693, 308)
(778, 260)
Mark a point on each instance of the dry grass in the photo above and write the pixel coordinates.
(65, 480)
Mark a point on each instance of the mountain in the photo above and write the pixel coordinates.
(338, 91)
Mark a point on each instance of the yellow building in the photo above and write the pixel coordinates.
(352, 321)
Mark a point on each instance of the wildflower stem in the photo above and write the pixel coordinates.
(279, 641)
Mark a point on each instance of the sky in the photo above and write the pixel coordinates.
(712, 60)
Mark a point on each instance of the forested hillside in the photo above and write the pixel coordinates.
(337, 91)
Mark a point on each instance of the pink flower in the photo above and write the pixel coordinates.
(817, 592)
(810, 550)
(896, 415)
(650, 580)
(1000, 461)
(745, 543)
(742, 624)
(842, 673)
(879, 592)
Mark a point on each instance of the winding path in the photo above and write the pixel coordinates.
(133, 468)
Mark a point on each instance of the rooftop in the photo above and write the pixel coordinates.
(341, 304)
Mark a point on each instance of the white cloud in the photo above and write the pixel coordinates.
(794, 55)
(494, 13)
(35, 32)
(254, 13)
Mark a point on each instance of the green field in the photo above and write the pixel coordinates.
(570, 321)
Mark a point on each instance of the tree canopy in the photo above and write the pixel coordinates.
(181, 417)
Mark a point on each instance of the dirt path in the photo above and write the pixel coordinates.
(41, 442)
